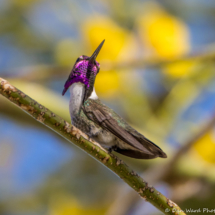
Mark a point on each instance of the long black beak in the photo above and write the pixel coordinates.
(96, 52)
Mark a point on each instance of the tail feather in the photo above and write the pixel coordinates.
(140, 155)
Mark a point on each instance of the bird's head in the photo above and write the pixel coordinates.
(84, 70)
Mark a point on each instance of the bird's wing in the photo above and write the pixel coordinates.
(109, 120)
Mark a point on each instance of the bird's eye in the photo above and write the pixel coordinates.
(80, 58)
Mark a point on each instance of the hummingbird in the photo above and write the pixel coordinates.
(97, 120)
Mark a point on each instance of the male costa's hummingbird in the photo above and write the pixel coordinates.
(98, 121)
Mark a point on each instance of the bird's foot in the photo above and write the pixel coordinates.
(110, 150)
(113, 148)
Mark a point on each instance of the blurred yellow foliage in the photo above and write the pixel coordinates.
(162, 33)
(205, 147)
(67, 205)
(179, 69)
(97, 28)
(107, 83)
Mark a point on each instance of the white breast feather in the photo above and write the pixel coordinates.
(93, 95)
(77, 91)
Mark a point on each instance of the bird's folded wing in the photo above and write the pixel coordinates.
(97, 113)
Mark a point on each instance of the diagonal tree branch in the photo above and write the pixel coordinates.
(159, 172)
(74, 135)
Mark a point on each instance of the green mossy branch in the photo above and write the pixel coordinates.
(77, 137)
